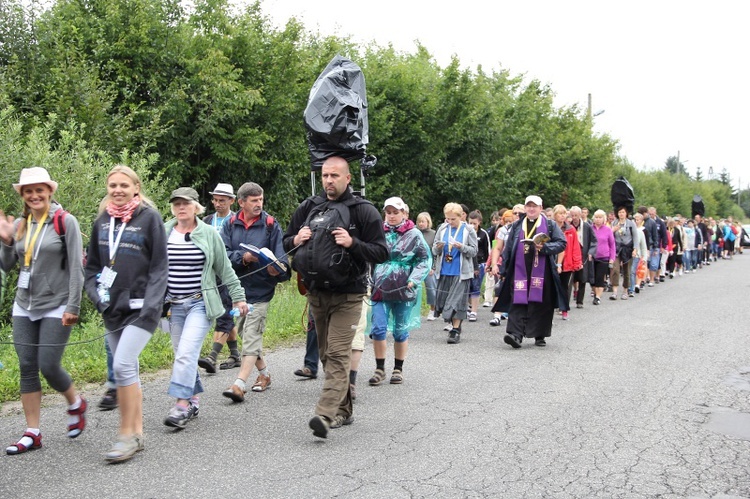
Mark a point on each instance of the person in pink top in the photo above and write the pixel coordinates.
(605, 253)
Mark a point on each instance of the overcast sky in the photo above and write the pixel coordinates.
(669, 75)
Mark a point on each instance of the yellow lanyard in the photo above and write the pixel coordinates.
(31, 241)
(528, 233)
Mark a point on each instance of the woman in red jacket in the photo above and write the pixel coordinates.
(570, 260)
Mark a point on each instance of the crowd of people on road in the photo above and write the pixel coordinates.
(362, 271)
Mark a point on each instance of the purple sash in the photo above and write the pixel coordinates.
(522, 294)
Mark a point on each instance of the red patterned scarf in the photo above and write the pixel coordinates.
(124, 212)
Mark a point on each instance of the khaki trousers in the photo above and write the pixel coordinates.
(336, 317)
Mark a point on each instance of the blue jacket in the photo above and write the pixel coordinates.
(259, 285)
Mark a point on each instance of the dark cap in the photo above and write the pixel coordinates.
(187, 193)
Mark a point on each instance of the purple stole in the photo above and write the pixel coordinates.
(522, 294)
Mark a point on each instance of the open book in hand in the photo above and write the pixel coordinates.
(540, 238)
(265, 257)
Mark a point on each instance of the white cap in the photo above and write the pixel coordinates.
(35, 175)
(533, 199)
(223, 190)
(396, 202)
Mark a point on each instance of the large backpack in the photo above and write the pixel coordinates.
(321, 262)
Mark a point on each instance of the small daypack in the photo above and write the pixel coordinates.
(58, 223)
(321, 262)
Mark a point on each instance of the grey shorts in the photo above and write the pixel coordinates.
(251, 329)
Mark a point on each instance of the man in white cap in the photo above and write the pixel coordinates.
(532, 287)
(225, 332)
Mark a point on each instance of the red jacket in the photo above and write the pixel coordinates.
(572, 259)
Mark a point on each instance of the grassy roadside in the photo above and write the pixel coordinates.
(85, 357)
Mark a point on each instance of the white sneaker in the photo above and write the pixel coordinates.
(472, 316)
(681, 271)
(486, 304)
(431, 316)
(448, 327)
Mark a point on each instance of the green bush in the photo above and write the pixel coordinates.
(86, 359)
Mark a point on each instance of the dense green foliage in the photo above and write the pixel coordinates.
(203, 92)
(208, 92)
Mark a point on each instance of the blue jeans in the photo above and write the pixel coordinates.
(654, 259)
(401, 311)
(188, 327)
(430, 286)
(633, 268)
(476, 282)
(687, 260)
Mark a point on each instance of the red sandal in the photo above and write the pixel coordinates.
(20, 448)
(77, 428)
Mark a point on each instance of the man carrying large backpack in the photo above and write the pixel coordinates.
(335, 237)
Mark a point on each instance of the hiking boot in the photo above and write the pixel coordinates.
(306, 372)
(235, 393)
(341, 420)
(319, 425)
(261, 383)
(109, 400)
(208, 363)
(178, 417)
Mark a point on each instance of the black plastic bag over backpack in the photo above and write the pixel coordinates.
(698, 207)
(622, 194)
(336, 114)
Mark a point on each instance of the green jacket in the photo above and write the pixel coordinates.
(217, 264)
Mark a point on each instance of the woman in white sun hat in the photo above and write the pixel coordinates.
(46, 241)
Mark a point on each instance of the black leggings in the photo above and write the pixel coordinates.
(32, 359)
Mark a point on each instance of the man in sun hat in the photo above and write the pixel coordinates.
(225, 332)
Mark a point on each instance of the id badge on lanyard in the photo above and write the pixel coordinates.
(31, 253)
(108, 275)
(24, 277)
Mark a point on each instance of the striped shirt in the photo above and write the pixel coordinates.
(186, 262)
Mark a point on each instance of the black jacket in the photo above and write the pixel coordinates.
(366, 230)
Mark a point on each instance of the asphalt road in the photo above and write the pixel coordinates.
(640, 398)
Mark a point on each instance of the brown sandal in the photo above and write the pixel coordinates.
(230, 363)
(377, 378)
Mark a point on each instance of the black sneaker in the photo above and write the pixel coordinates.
(512, 341)
(109, 401)
(319, 425)
(597, 301)
(454, 337)
(540, 342)
(178, 417)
